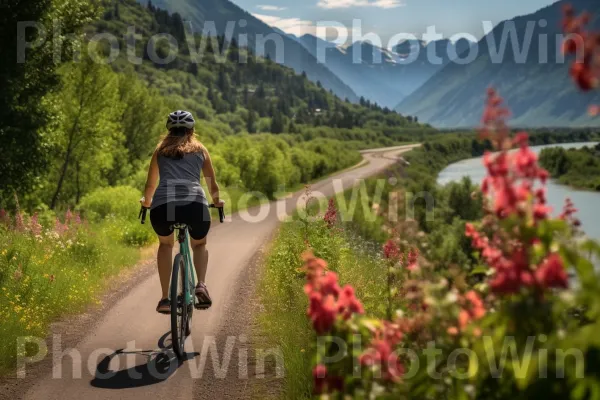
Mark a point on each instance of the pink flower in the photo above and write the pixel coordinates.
(19, 222)
(413, 259)
(348, 304)
(551, 273)
(319, 378)
(34, 226)
(391, 250)
(68, 217)
(322, 312)
(331, 214)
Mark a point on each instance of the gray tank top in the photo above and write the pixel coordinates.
(180, 180)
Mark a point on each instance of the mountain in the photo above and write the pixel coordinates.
(235, 91)
(381, 75)
(230, 20)
(538, 93)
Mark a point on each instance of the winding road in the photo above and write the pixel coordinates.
(97, 369)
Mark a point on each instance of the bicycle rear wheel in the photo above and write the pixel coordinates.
(179, 309)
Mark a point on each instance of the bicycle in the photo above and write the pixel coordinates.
(183, 284)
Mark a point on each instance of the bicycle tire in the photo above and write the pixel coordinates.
(178, 308)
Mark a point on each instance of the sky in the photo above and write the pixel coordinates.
(388, 18)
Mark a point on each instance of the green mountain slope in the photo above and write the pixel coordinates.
(538, 93)
(223, 13)
(257, 95)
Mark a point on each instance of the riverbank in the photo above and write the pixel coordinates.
(586, 201)
(579, 168)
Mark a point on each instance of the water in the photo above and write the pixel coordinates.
(586, 202)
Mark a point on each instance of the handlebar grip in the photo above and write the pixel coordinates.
(142, 215)
(221, 212)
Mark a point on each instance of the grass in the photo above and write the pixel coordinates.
(48, 273)
(283, 318)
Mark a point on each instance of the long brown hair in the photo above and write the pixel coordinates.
(179, 142)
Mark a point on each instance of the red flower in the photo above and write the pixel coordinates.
(413, 259)
(320, 378)
(348, 304)
(391, 250)
(331, 214)
(551, 273)
(327, 300)
(322, 312)
(584, 70)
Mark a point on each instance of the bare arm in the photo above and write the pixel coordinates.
(211, 180)
(151, 182)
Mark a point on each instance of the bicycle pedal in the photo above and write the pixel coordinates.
(202, 306)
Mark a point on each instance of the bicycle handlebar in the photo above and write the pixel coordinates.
(142, 215)
(144, 211)
(221, 212)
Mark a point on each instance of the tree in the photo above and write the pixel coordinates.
(277, 124)
(25, 78)
(88, 130)
(251, 121)
(142, 116)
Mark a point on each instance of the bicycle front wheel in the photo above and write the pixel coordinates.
(179, 309)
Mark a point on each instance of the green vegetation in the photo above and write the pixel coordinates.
(451, 205)
(51, 267)
(282, 320)
(79, 134)
(579, 168)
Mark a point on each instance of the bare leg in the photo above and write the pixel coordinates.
(200, 258)
(164, 259)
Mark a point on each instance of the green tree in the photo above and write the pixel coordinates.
(88, 137)
(26, 76)
(277, 124)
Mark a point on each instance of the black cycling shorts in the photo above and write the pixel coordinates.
(195, 215)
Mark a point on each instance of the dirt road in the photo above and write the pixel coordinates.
(97, 369)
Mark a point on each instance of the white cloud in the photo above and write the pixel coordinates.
(360, 3)
(294, 26)
(299, 27)
(266, 7)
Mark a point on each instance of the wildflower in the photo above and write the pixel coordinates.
(322, 312)
(381, 353)
(68, 217)
(551, 273)
(34, 226)
(60, 228)
(391, 250)
(331, 214)
(568, 213)
(326, 299)
(452, 331)
(584, 70)
(413, 259)
(3, 216)
(319, 378)
(348, 304)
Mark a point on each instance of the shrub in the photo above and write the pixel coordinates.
(136, 234)
(120, 201)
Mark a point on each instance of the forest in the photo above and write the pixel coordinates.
(83, 123)
(579, 168)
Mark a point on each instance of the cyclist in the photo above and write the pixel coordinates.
(179, 161)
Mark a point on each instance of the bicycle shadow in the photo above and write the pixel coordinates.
(160, 365)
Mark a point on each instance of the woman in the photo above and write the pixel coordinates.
(178, 161)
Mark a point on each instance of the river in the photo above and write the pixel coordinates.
(587, 202)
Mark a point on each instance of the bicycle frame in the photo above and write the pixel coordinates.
(183, 237)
